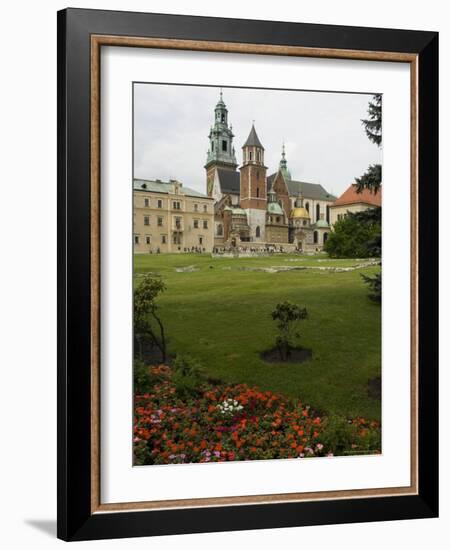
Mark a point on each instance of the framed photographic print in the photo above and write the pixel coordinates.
(247, 274)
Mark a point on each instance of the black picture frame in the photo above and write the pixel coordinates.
(75, 519)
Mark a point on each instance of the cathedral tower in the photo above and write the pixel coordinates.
(221, 153)
(253, 185)
(283, 165)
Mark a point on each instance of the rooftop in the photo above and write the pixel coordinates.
(158, 186)
(308, 190)
(351, 196)
(253, 139)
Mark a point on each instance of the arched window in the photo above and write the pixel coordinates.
(258, 232)
(307, 206)
(328, 213)
(316, 237)
(250, 153)
(257, 191)
(325, 237)
(259, 155)
(317, 212)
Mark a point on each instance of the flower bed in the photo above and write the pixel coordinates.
(237, 422)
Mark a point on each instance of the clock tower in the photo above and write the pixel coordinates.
(221, 153)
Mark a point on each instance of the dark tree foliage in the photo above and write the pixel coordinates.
(374, 284)
(372, 124)
(371, 179)
(358, 235)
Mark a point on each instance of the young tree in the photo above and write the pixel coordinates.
(147, 322)
(287, 315)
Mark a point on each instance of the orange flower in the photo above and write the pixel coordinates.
(203, 444)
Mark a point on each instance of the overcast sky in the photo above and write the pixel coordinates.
(324, 138)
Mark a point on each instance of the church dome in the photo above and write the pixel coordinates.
(322, 224)
(299, 212)
(274, 208)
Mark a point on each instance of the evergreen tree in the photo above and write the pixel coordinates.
(371, 179)
(372, 124)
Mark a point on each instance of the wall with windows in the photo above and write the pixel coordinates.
(339, 212)
(172, 222)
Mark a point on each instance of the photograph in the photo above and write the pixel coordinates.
(257, 274)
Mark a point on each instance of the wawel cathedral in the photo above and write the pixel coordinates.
(253, 209)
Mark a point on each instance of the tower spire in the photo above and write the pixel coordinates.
(283, 164)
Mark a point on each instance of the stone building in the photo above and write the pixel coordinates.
(168, 217)
(352, 201)
(253, 209)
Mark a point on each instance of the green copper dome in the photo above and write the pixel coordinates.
(322, 224)
(274, 208)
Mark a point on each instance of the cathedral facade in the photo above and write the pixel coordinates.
(256, 210)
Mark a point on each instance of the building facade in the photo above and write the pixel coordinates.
(168, 217)
(253, 209)
(352, 201)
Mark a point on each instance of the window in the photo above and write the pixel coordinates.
(195, 224)
(136, 239)
(219, 230)
(223, 117)
(278, 219)
(212, 146)
(159, 203)
(307, 207)
(146, 202)
(147, 240)
(325, 237)
(257, 191)
(176, 205)
(205, 208)
(146, 220)
(328, 214)
(195, 207)
(316, 237)
(259, 155)
(160, 221)
(258, 232)
(205, 224)
(200, 240)
(317, 212)
(224, 145)
(250, 155)
(163, 239)
(178, 221)
(304, 222)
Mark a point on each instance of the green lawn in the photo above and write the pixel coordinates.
(220, 315)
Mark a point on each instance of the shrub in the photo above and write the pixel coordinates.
(144, 378)
(287, 315)
(187, 376)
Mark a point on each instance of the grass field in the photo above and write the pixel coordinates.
(220, 315)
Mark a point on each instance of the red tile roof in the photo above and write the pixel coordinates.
(351, 196)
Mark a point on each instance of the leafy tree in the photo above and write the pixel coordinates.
(147, 322)
(287, 315)
(372, 124)
(358, 235)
